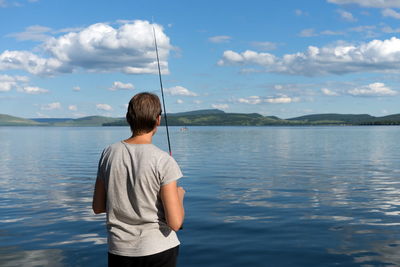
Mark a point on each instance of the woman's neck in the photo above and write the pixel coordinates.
(146, 138)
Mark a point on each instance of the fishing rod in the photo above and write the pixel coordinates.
(162, 92)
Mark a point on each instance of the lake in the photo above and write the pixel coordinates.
(256, 196)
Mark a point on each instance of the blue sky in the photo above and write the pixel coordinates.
(284, 58)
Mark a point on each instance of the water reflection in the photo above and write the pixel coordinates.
(290, 196)
(10, 257)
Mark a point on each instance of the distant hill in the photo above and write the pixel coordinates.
(351, 119)
(7, 120)
(86, 121)
(386, 120)
(213, 117)
(332, 117)
(51, 120)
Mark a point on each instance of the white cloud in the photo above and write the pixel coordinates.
(6, 86)
(105, 107)
(390, 13)
(253, 100)
(179, 101)
(25, 60)
(248, 57)
(99, 47)
(33, 90)
(328, 92)
(375, 56)
(307, 33)
(220, 39)
(72, 107)
(121, 86)
(369, 3)
(373, 89)
(76, 88)
(346, 15)
(220, 106)
(51, 106)
(265, 45)
(32, 33)
(7, 82)
(179, 90)
(281, 99)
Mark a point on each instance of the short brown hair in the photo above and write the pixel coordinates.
(143, 111)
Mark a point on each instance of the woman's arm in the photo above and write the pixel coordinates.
(99, 197)
(172, 199)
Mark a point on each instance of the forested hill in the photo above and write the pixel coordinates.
(218, 117)
(213, 117)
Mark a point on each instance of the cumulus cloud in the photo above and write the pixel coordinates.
(328, 92)
(253, 100)
(25, 60)
(121, 86)
(373, 89)
(104, 107)
(179, 90)
(281, 99)
(369, 3)
(220, 106)
(33, 90)
(346, 15)
(72, 107)
(20, 83)
(220, 39)
(375, 56)
(6, 86)
(51, 106)
(8, 82)
(99, 47)
(390, 13)
(76, 88)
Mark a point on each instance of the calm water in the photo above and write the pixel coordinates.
(273, 196)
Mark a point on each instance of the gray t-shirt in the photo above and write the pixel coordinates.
(133, 175)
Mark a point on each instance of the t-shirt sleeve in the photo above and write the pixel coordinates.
(169, 170)
(100, 168)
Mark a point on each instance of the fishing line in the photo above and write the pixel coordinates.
(162, 91)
